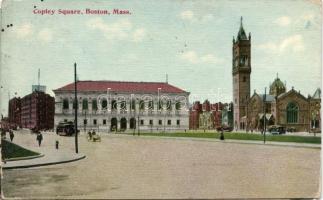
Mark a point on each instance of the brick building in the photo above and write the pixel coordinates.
(37, 111)
(206, 115)
(14, 112)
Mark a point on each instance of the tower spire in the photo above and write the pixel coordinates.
(241, 21)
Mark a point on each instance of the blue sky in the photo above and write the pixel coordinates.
(191, 41)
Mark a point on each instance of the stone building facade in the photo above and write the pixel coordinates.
(289, 109)
(124, 106)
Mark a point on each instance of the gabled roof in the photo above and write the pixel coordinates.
(269, 98)
(289, 92)
(122, 86)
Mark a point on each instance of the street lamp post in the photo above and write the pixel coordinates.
(108, 99)
(264, 116)
(76, 107)
(158, 100)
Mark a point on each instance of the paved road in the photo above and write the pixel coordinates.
(152, 167)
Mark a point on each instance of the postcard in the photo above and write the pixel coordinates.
(139, 99)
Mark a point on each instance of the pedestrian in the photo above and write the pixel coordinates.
(39, 138)
(222, 134)
(89, 135)
(11, 135)
(3, 134)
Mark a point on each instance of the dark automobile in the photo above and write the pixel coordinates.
(277, 130)
(224, 128)
(65, 128)
(291, 129)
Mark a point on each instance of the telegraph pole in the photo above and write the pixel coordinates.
(264, 111)
(76, 107)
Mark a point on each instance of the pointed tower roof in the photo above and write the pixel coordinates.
(317, 94)
(241, 34)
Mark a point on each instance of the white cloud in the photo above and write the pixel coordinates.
(293, 43)
(193, 57)
(120, 30)
(24, 30)
(139, 34)
(283, 21)
(45, 35)
(187, 15)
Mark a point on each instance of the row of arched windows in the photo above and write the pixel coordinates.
(123, 104)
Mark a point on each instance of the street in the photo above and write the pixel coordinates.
(123, 166)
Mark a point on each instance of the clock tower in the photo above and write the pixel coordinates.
(241, 69)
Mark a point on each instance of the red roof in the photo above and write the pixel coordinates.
(121, 86)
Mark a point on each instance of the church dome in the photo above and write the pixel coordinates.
(277, 87)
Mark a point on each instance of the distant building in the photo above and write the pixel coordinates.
(39, 88)
(227, 115)
(207, 115)
(37, 111)
(14, 112)
(195, 111)
(125, 106)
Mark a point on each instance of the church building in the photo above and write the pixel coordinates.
(289, 109)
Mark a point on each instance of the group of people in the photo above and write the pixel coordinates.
(39, 136)
(91, 134)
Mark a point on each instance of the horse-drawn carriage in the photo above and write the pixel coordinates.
(93, 137)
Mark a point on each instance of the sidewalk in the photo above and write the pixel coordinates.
(50, 156)
(256, 142)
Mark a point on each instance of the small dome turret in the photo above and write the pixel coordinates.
(277, 87)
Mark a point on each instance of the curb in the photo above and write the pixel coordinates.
(44, 164)
(24, 158)
(268, 143)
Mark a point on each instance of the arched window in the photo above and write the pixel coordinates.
(141, 105)
(75, 103)
(94, 104)
(85, 104)
(65, 104)
(169, 105)
(150, 105)
(133, 104)
(160, 105)
(292, 113)
(123, 105)
(104, 104)
(178, 105)
(114, 105)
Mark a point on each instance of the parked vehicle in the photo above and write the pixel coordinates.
(291, 129)
(224, 128)
(65, 128)
(277, 130)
